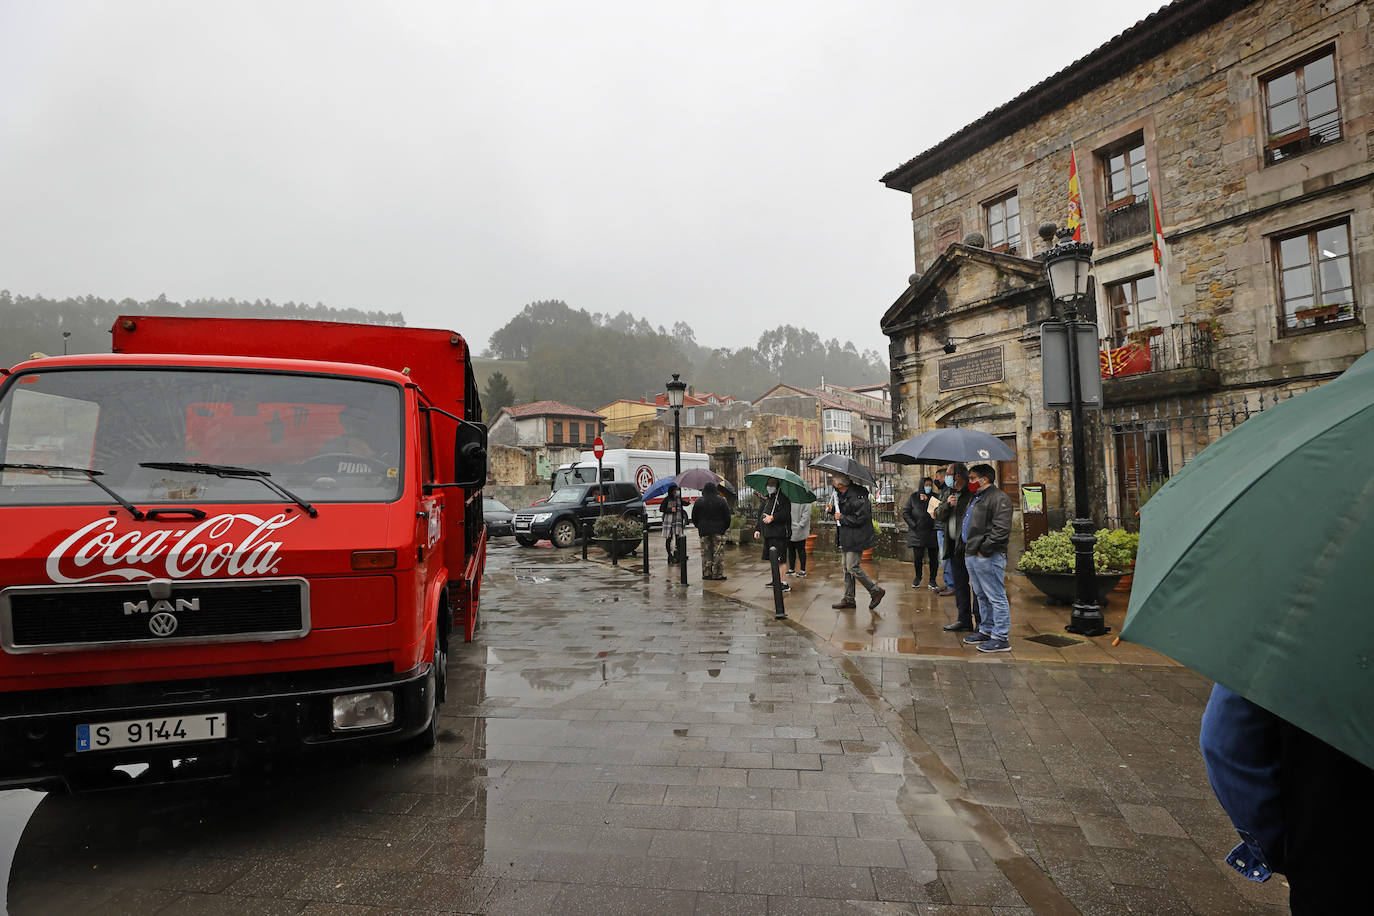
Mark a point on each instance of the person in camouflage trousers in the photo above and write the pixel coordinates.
(711, 515)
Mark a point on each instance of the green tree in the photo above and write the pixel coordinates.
(499, 394)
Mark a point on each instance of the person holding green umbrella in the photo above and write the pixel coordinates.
(775, 526)
(1288, 637)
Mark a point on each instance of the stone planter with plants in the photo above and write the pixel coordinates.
(618, 535)
(1048, 562)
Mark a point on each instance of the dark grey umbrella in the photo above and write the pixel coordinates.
(948, 444)
(843, 464)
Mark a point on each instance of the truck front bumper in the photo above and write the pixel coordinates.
(269, 717)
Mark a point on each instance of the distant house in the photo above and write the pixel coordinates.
(623, 415)
(547, 423)
(846, 418)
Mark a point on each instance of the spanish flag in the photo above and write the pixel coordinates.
(1075, 220)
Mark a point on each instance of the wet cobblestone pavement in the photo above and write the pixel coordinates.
(619, 745)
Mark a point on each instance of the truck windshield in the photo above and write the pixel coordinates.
(582, 473)
(327, 439)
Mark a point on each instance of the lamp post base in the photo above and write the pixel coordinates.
(1087, 621)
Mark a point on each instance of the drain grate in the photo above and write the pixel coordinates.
(1057, 642)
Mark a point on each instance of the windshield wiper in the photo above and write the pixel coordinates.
(232, 472)
(89, 473)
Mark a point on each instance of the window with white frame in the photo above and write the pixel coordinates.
(835, 421)
(1004, 223)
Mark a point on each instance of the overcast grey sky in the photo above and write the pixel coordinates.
(715, 162)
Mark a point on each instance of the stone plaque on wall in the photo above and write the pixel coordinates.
(982, 367)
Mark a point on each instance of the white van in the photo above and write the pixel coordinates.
(641, 467)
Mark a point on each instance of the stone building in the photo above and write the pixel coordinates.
(1248, 126)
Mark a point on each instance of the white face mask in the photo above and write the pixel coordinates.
(772, 489)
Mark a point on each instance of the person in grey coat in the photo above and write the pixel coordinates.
(986, 530)
(796, 547)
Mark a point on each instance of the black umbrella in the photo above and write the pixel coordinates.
(938, 446)
(847, 466)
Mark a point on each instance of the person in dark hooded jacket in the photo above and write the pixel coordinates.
(854, 516)
(920, 532)
(711, 516)
(775, 527)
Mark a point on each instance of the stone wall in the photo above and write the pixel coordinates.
(1200, 108)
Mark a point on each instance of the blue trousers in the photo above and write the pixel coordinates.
(987, 578)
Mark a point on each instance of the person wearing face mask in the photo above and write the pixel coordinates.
(854, 516)
(920, 531)
(950, 516)
(775, 526)
(984, 533)
(942, 491)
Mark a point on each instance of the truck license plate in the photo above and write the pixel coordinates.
(203, 726)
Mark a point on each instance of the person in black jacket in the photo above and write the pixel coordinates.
(920, 532)
(775, 527)
(854, 516)
(711, 516)
(950, 516)
(986, 529)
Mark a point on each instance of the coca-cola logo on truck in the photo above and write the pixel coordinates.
(224, 545)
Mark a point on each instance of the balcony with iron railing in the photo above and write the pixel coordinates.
(1125, 219)
(1157, 362)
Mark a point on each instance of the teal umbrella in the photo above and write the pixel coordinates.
(1254, 562)
(791, 485)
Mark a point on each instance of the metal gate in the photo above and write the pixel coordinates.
(1146, 444)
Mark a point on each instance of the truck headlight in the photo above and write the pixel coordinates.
(543, 516)
(364, 710)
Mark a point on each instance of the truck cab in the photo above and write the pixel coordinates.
(213, 553)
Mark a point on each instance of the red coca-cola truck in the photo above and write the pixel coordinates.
(231, 541)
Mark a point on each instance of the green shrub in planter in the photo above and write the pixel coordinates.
(1053, 552)
(619, 527)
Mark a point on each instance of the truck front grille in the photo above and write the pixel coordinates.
(52, 618)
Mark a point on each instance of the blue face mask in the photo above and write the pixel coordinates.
(949, 481)
(928, 489)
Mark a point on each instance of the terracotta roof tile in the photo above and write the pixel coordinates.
(551, 409)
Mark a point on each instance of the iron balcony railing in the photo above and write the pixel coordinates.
(1158, 349)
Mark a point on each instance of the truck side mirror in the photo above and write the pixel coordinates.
(470, 455)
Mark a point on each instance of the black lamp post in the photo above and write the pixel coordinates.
(1067, 265)
(676, 389)
(66, 335)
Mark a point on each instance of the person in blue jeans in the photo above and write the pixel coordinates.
(986, 530)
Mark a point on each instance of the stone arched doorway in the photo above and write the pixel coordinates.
(996, 420)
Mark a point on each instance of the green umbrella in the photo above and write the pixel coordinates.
(1254, 562)
(792, 486)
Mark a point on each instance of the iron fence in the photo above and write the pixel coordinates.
(1145, 445)
(818, 480)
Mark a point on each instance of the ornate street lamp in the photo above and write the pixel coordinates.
(66, 336)
(1067, 265)
(676, 390)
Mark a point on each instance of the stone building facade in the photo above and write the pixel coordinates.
(1249, 127)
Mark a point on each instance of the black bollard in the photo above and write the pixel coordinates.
(645, 548)
(779, 610)
(586, 537)
(682, 556)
